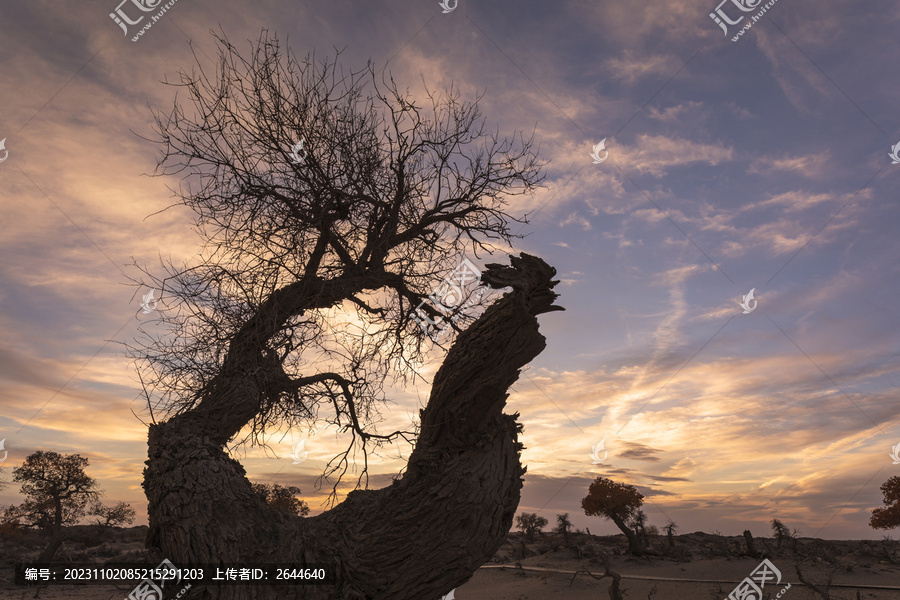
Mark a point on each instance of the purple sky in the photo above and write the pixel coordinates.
(758, 164)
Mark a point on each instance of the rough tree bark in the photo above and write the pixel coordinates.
(417, 539)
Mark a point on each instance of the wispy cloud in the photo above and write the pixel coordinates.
(761, 155)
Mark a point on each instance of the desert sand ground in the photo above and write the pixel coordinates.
(702, 567)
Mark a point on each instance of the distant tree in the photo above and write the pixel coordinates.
(57, 492)
(617, 502)
(781, 533)
(671, 528)
(530, 523)
(113, 516)
(638, 524)
(563, 525)
(888, 517)
(282, 498)
(56, 488)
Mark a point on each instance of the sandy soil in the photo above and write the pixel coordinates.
(512, 584)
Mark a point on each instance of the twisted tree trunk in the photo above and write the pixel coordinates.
(414, 540)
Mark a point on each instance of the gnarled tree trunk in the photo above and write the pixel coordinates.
(414, 540)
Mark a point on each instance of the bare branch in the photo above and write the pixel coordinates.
(386, 199)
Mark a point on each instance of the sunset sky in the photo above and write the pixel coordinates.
(759, 164)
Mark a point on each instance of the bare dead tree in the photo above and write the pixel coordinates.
(826, 561)
(366, 219)
(823, 590)
(615, 589)
(670, 529)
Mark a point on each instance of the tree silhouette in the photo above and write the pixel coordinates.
(671, 528)
(56, 488)
(113, 516)
(282, 498)
(888, 517)
(617, 502)
(563, 525)
(300, 309)
(782, 532)
(57, 492)
(638, 523)
(530, 523)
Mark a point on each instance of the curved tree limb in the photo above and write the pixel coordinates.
(416, 539)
